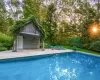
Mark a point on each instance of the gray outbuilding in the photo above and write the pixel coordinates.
(29, 37)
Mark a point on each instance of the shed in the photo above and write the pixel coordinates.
(29, 36)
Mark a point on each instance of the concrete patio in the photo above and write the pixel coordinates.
(29, 52)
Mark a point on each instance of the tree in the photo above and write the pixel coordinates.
(51, 27)
(31, 7)
(3, 19)
(15, 9)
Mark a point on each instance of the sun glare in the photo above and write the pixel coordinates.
(94, 29)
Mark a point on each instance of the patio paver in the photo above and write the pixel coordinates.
(26, 53)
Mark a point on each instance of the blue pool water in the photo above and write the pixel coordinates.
(65, 66)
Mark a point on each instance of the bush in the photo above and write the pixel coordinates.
(5, 41)
(46, 45)
(3, 48)
(74, 41)
(95, 46)
(1, 45)
(60, 42)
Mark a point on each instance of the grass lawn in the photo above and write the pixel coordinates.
(83, 50)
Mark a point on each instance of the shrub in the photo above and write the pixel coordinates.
(5, 41)
(1, 45)
(46, 45)
(95, 46)
(74, 41)
(59, 42)
(3, 48)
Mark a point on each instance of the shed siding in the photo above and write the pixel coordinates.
(30, 28)
(19, 42)
(26, 41)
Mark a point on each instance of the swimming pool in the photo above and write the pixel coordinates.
(64, 66)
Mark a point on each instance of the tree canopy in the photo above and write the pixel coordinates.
(59, 19)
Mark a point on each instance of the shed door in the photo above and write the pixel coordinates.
(19, 42)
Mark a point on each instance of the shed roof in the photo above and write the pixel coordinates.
(38, 26)
(19, 25)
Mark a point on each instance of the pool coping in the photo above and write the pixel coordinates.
(36, 57)
(42, 56)
(14, 55)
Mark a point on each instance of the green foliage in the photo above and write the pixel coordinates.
(5, 19)
(15, 3)
(71, 17)
(46, 45)
(83, 50)
(3, 48)
(5, 41)
(31, 7)
(74, 48)
(95, 46)
(19, 25)
(74, 41)
(51, 12)
(51, 25)
(60, 42)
